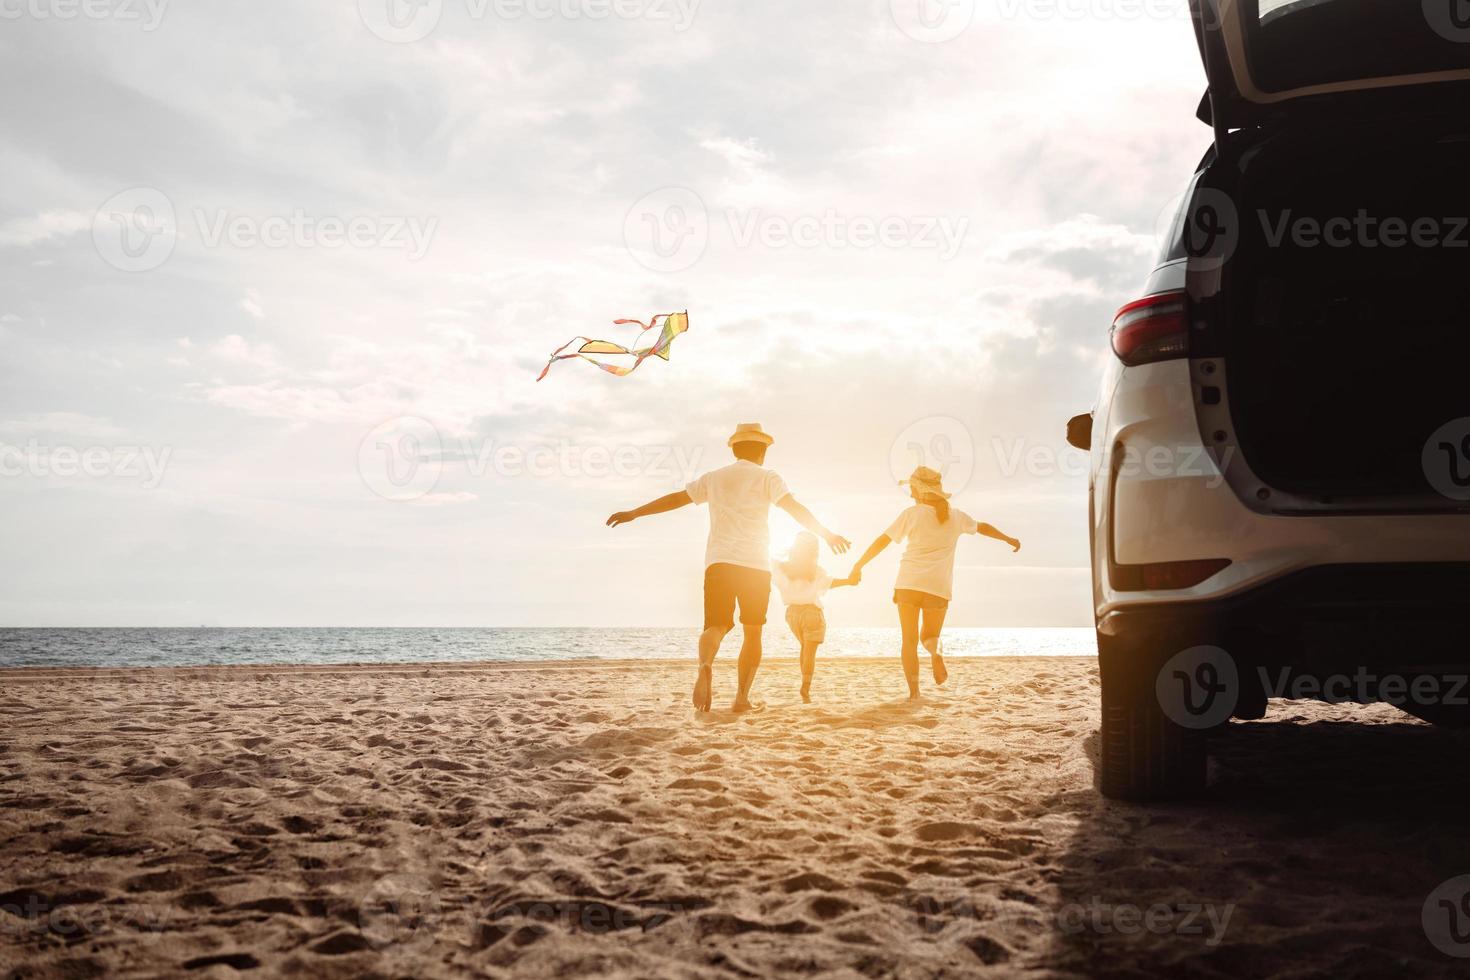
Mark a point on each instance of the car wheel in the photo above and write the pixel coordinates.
(1143, 755)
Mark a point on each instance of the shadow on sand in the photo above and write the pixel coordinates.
(920, 713)
(1322, 842)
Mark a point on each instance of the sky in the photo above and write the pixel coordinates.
(276, 280)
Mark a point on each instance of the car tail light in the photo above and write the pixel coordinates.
(1152, 329)
(1165, 575)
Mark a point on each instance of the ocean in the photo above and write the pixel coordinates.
(149, 647)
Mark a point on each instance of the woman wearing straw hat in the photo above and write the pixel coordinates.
(926, 573)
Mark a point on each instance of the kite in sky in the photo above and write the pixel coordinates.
(673, 325)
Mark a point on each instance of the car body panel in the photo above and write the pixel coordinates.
(1315, 53)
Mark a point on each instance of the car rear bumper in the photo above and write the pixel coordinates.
(1164, 496)
(1402, 617)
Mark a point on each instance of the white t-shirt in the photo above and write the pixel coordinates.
(928, 561)
(802, 591)
(740, 497)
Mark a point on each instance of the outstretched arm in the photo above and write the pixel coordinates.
(991, 532)
(804, 517)
(662, 505)
(874, 550)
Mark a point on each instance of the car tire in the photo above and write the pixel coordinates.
(1143, 756)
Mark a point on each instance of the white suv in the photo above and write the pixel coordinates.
(1280, 483)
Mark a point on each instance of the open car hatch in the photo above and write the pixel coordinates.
(1271, 58)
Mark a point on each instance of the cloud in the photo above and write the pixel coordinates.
(530, 142)
(445, 499)
(25, 232)
(236, 349)
(70, 424)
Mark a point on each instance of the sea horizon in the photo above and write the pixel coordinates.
(209, 646)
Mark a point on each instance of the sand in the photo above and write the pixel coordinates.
(579, 820)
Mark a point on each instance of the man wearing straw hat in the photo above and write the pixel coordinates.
(737, 557)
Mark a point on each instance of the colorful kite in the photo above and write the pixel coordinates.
(673, 325)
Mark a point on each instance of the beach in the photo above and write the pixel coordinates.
(579, 819)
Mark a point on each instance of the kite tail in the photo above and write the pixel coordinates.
(673, 325)
(557, 355)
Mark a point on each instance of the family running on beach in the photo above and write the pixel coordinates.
(738, 565)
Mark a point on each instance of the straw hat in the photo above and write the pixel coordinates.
(750, 432)
(926, 482)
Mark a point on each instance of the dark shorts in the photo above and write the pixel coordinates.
(725, 585)
(924, 600)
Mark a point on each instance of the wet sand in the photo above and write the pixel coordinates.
(578, 819)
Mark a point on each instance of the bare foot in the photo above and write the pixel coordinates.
(741, 704)
(914, 689)
(806, 691)
(704, 688)
(936, 659)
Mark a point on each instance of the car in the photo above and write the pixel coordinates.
(1279, 491)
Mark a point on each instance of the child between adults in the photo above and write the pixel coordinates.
(926, 572)
(802, 583)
